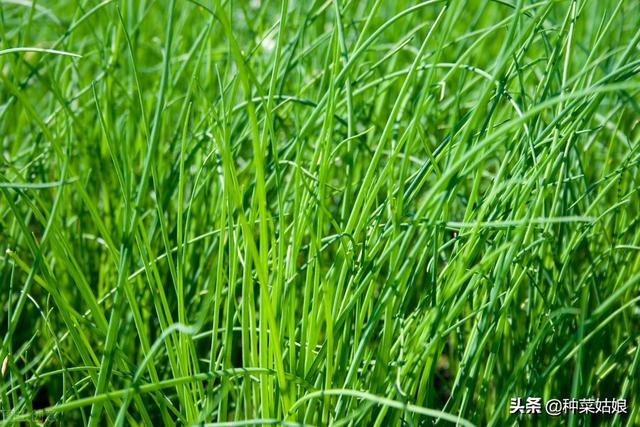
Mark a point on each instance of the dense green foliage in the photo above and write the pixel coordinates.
(376, 212)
